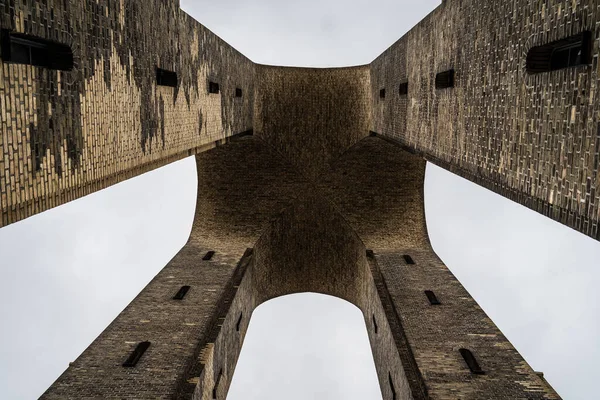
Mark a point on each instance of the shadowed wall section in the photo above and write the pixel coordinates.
(312, 115)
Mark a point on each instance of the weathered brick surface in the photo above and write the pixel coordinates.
(65, 134)
(532, 138)
(309, 192)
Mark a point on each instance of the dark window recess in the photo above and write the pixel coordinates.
(375, 327)
(217, 383)
(569, 52)
(382, 93)
(181, 293)
(392, 388)
(432, 298)
(444, 79)
(238, 92)
(370, 253)
(166, 78)
(471, 361)
(208, 255)
(403, 89)
(213, 87)
(19, 48)
(408, 259)
(135, 356)
(239, 322)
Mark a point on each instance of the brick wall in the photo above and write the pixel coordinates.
(532, 138)
(65, 134)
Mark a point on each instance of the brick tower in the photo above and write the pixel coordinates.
(308, 179)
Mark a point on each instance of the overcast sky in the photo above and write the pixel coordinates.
(66, 273)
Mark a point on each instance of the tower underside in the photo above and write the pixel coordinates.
(308, 179)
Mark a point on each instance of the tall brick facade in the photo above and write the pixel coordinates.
(327, 194)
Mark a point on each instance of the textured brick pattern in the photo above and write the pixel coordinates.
(324, 207)
(532, 138)
(64, 134)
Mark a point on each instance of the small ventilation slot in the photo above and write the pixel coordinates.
(238, 92)
(569, 52)
(166, 78)
(213, 87)
(392, 388)
(181, 293)
(208, 255)
(433, 300)
(471, 361)
(444, 79)
(382, 93)
(370, 253)
(217, 384)
(19, 48)
(403, 89)
(375, 327)
(135, 356)
(239, 322)
(408, 259)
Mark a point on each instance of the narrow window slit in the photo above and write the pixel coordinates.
(239, 322)
(403, 89)
(408, 259)
(565, 53)
(375, 327)
(238, 92)
(166, 78)
(382, 93)
(213, 87)
(392, 388)
(214, 393)
(444, 79)
(20, 48)
(208, 255)
(433, 300)
(136, 354)
(181, 293)
(471, 361)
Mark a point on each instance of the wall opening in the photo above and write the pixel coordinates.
(20, 48)
(565, 53)
(181, 293)
(305, 346)
(166, 78)
(213, 87)
(433, 300)
(208, 255)
(136, 354)
(444, 80)
(403, 89)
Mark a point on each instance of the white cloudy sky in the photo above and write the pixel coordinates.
(66, 273)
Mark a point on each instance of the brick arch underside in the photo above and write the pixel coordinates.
(308, 235)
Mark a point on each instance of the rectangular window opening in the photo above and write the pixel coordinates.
(214, 393)
(433, 300)
(392, 388)
(382, 93)
(137, 353)
(403, 89)
(166, 78)
(471, 361)
(19, 48)
(444, 79)
(181, 293)
(238, 92)
(565, 53)
(213, 87)
(239, 322)
(408, 259)
(208, 255)
(375, 327)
